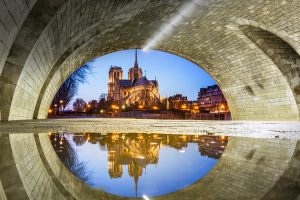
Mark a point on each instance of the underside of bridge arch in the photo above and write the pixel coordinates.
(43, 42)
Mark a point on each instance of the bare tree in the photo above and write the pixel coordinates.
(79, 105)
(70, 87)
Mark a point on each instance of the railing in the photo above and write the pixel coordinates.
(187, 116)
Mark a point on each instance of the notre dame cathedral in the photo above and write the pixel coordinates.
(136, 91)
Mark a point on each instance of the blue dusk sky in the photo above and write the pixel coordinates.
(174, 74)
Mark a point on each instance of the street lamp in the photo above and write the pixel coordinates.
(55, 109)
(222, 107)
(155, 108)
(61, 106)
(141, 106)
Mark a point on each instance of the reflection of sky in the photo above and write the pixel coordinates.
(174, 170)
(174, 74)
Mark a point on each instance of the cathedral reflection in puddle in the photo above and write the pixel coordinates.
(133, 165)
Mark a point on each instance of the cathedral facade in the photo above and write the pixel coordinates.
(136, 91)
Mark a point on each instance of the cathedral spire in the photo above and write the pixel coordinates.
(136, 60)
(136, 67)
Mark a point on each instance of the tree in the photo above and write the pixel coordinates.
(70, 87)
(79, 105)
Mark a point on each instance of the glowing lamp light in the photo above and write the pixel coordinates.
(61, 101)
(183, 107)
(141, 106)
(89, 105)
(155, 108)
(222, 107)
(50, 111)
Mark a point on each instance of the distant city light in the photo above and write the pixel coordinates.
(166, 29)
(145, 197)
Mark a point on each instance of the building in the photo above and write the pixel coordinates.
(193, 106)
(136, 91)
(212, 100)
(178, 102)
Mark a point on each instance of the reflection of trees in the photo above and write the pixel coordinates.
(67, 154)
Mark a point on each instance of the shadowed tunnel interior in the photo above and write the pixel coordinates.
(251, 48)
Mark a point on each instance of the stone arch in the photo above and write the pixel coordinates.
(80, 30)
(274, 44)
(281, 53)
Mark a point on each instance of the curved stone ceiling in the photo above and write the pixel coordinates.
(43, 42)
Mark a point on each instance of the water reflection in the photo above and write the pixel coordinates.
(156, 164)
(67, 154)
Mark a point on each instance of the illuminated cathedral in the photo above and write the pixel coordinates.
(136, 91)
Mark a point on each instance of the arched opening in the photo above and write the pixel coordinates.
(137, 84)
